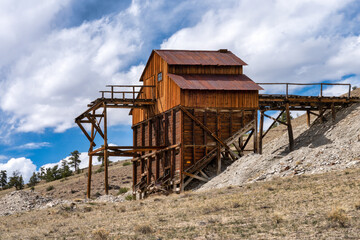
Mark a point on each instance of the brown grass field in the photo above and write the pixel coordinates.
(325, 206)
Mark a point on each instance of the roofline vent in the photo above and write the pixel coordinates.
(223, 50)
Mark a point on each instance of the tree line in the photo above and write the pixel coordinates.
(46, 174)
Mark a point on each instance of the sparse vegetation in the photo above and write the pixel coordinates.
(123, 190)
(129, 197)
(299, 207)
(338, 216)
(100, 234)
(49, 188)
(126, 164)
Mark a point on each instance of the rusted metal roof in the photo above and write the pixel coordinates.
(214, 82)
(223, 57)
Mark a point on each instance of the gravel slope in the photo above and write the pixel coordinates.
(320, 148)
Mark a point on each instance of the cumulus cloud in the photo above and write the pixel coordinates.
(24, 165)
(84, 161)
(282, 41)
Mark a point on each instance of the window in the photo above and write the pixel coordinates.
(159, 77)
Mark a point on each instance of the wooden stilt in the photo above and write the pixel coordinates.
(333, 112)
(90, 162)
(255, 132)
(106, 162)
(308, 118)
(218, 163)
(289, 127)
(261, 127)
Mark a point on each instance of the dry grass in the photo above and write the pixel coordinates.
(288, 208)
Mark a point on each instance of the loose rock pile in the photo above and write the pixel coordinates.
(321, 148)
(18, 201)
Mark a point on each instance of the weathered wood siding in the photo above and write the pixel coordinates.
(225, 122)
(191, 69)
(220, 99)
(161, 130)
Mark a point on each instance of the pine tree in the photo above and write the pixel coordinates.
(16, 180)
(75, 159)
(3, 179)
(65, 169)
(34, 179)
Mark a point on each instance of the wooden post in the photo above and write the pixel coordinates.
(308, 117)
(134, 179)
(106, 163)
(333, 112)
(90, 161)
(255, 131)
(289, 127)
(217, 144)
(261, 131)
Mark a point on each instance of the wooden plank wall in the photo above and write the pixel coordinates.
(191, 69)
(220, 99)
(161, 130)
(223, 122)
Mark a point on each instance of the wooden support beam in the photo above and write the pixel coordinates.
(333, 112)
(247, 140)
(85, 132)
(261, 127)
(290, 132)
(272, 124)
(256, 131)
(193, 138)
(196, 176)
(308, 118)
(275, 119)
(106, 162)
(88, 193)
(232, 154)
(218, 154)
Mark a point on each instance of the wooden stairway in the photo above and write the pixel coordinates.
(193, 171)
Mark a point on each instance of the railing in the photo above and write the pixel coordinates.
(309, 84)
(136, 90)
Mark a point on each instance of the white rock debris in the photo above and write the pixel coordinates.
(321, 148)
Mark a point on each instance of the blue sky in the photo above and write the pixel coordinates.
(56, 56)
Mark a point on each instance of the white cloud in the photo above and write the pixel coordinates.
(33, 145)
(24, 22)
(282, 41)
(24, 165)
(84, 161)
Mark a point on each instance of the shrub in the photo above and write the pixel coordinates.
(100, 169)
(123, 190)
(339, 216)
(129, 197)
(143, 229)
(126, 164)
(49, 188)
(278, 217)
(100, 234)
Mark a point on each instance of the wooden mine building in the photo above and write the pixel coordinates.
(193, 109)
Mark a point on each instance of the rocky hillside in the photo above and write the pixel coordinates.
(320, 148)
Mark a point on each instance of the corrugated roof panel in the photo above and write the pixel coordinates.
(214, 82)
(188, 57)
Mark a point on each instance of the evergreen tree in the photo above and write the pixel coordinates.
(34, 179)
(65, 169)
(3, 179)
(16, 180)
(75, 159)
(42, 173)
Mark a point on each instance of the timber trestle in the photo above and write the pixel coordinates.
(313, 105)
(182, 144)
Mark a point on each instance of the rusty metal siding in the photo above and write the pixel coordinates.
(209, 58)
(214, 82)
